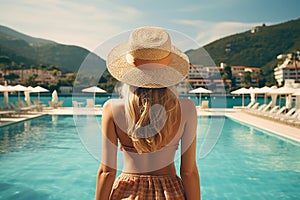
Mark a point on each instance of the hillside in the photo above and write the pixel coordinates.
(35, 51)
(258, 49)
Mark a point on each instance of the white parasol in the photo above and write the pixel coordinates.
(5, 89)
(297, 94)
(242, 91)
(38, 89)
(287, 91)
(54, 97)
(94, 89)
(200, 91)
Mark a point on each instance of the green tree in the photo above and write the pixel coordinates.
(22, 67)
(256, 75)
(246, 80)
(228, 71)
(11, 77)
(4, 63)
(31, 80)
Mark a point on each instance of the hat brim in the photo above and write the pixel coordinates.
(158, 77)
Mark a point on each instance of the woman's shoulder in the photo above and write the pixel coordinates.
(187, 107)
(113, 105)
(187, 103)
(109, 104)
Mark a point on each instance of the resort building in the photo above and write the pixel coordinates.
(287, 71)
(203, 72)
(41, 76)
(210, 76)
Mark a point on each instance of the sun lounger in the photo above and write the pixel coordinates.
(204, 104)
(267, 107)
(76, 104)
(277, 113)
(90, 103)
(6, 113)
(257, 109)
(24, 106)
(38, 105)
(252, 108)
(56, 104)
(295, 121)
(291, 119)
(271, 111)
(250, 104)
(286, 115)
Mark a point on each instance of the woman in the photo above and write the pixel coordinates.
(149, 123)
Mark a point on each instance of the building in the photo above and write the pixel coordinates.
(210, 76)
(239, 71)
(203, 72)
(42, 76)
(287, 71)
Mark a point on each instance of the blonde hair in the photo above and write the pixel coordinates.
(151, 116)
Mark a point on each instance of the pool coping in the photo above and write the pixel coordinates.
(273, 126)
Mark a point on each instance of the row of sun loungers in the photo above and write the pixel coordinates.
(282, 114)
(18, 108)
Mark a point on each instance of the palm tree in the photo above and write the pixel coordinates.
(256, 76)
(246, 80)
(22, 66)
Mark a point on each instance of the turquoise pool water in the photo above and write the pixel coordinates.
(214, 101)
(44, 158)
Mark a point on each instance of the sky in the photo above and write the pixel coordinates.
(92, 22)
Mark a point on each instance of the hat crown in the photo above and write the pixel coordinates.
(149, 43)
(148, 59)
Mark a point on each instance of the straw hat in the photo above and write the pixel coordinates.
(148, 60)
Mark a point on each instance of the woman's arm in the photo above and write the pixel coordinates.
(107, 170)
(188, 168)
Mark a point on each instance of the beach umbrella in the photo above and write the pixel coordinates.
(288, 101)
(241, 91)
(200, 91)
(38, 89)
(264, 90)
(283, 91)
(20, 88)
(94, 90)
(297, 94)
(252, 92)
(6, 89)
(27, 97)
(54, 97)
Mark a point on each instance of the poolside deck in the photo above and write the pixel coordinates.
(281, 129)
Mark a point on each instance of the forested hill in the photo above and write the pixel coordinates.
(258, 49)
(21, 48)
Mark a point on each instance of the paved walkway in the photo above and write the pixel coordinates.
(273, 126)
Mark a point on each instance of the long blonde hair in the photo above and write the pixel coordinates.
(151, 116)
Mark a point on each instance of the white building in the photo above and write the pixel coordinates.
(286, 71)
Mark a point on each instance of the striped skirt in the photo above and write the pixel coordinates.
(147, 187)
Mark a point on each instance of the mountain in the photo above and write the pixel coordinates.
(35, 51)
(258, 49)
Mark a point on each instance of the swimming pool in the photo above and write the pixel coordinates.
(215, 101)
(44, 158)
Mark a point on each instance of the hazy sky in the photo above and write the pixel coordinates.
(89, 23)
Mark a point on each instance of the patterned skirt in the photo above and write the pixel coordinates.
(147, 187)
